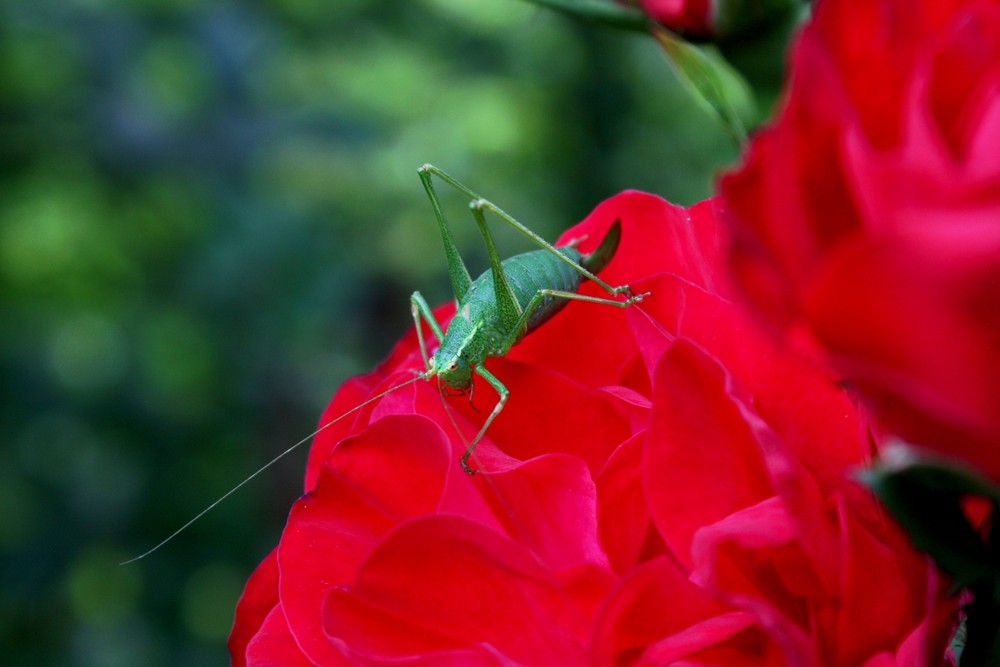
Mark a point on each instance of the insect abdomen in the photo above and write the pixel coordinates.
(532, 271)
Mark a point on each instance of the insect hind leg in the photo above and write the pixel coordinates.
(536, 300)
(484, 204)
(457, 271)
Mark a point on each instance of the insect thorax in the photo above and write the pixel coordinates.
(452, 361)
(476, 331)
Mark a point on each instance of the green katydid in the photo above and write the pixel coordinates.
(493, 312)
(507, 301)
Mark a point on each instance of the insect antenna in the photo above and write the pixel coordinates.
(419, 376)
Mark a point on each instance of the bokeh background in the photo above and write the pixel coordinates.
(210, 217)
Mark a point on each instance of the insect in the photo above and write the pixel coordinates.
(508, 301)
(493, 312)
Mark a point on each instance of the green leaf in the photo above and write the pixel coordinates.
(925, 494)
(600, 12)
(711, 81)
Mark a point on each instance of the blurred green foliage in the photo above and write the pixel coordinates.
(210, 217)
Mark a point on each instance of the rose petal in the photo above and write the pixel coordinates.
(657, 616)
(444, 583)
(396, 368)
(627, 530)
(754, 559)
(702, 460)
(393, 470)
(873, 566)
(260, 596)
(865, 218)
(549, 504)
(274, 645)
(814, 417)
(548, 412)
(656, 236)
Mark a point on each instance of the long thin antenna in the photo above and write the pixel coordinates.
(420, 376)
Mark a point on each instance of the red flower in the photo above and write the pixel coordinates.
(713, 18)
(662, 488)
(868, 216)
(690, 16)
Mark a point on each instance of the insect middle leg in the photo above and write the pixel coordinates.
(504, 393)
(512, 338)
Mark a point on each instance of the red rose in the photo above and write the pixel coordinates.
(663, 487)
(868, 217)
(691, 16)
(713, 18)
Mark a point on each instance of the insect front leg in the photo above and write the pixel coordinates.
(420, 309)
(504, 393)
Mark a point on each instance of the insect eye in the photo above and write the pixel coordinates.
(453, 366)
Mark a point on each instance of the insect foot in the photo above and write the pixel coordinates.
(630, 298)
(636, 298)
